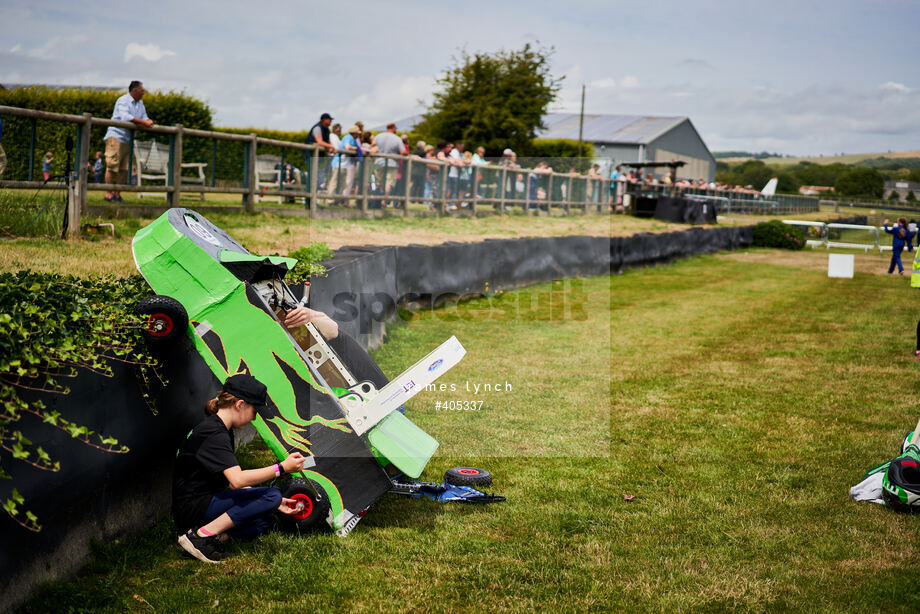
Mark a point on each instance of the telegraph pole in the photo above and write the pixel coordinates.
(581, 119)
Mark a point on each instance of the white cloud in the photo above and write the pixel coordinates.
(16, 48)
(150, 52)
(894, 86)
(604, 83)
(58, 46)
(629, 82)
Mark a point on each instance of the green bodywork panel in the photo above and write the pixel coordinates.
(401, 442)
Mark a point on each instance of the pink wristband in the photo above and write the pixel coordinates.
(276, 469)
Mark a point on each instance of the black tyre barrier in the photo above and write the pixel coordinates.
(367, 286)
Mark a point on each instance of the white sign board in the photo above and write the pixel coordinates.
(840, 265)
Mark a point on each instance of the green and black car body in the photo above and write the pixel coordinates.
(228, 296)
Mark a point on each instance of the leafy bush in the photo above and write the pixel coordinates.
(50, 327)
(308, 259)
(776, 234)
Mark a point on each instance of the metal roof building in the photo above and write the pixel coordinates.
(637, 138)
(628, 138)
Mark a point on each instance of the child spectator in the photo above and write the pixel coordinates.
(46, 166)
(900, 236)
(97, 168)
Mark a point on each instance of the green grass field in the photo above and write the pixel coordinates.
(742, 395)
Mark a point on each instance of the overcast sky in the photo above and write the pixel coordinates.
(795, 77)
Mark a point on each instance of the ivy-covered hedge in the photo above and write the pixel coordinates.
(51, 326)
(776, 234)
(166, 108)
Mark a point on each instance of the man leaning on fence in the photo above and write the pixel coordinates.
(128, 108)
(386, 169)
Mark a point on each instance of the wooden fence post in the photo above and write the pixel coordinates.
(442, 206)
(314, 180)
(175, 167)
(474, 187)
(407, 178)
(83, 161)
(249, 199)
(501, 199)
(365, 181)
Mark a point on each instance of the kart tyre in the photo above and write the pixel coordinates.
(166, 319)
(316, 506)
(467, 476)
(901, 484)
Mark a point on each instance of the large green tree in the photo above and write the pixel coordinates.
(857, 181)
(496, 100)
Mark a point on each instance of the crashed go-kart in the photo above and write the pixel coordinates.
(326, 399)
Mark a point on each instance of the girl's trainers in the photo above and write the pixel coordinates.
(207, 549)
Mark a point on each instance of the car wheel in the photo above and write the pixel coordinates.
(166, 319)
(467, 476)
(312, 502)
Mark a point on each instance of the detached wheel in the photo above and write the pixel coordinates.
(314, 506)
(166, 319)
(467, 476)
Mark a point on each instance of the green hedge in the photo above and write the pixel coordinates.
(165, 108)
(776, 234)
(230, 154)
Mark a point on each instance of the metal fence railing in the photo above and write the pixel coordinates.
(731, 203)
(375, 180)
(833, 234)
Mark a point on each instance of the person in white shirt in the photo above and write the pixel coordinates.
(386, 169)
(128, 108)
(332, 180)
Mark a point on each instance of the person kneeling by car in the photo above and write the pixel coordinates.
(204, 510)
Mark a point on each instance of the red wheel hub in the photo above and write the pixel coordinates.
(305, 505)
(468, 471)
(159, 324)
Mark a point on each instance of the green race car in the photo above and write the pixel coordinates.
(342, 416)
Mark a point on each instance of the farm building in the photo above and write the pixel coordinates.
(628, 138)
(637, 138)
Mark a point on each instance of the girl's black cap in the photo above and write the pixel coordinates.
(248, 388)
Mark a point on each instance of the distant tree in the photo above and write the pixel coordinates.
(893, 195)
(858, 181)
(808, 173)
(914, 175)
(495, 100)
(911, 198)
(754, 173)
(787, 183)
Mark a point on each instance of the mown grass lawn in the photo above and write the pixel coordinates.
(741, 399)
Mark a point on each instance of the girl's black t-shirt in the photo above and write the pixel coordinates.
(198, 474)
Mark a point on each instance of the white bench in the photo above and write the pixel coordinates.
(268, 177)
(152, 162)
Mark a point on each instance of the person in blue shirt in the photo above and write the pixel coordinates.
(128, 108)
(901, 236)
